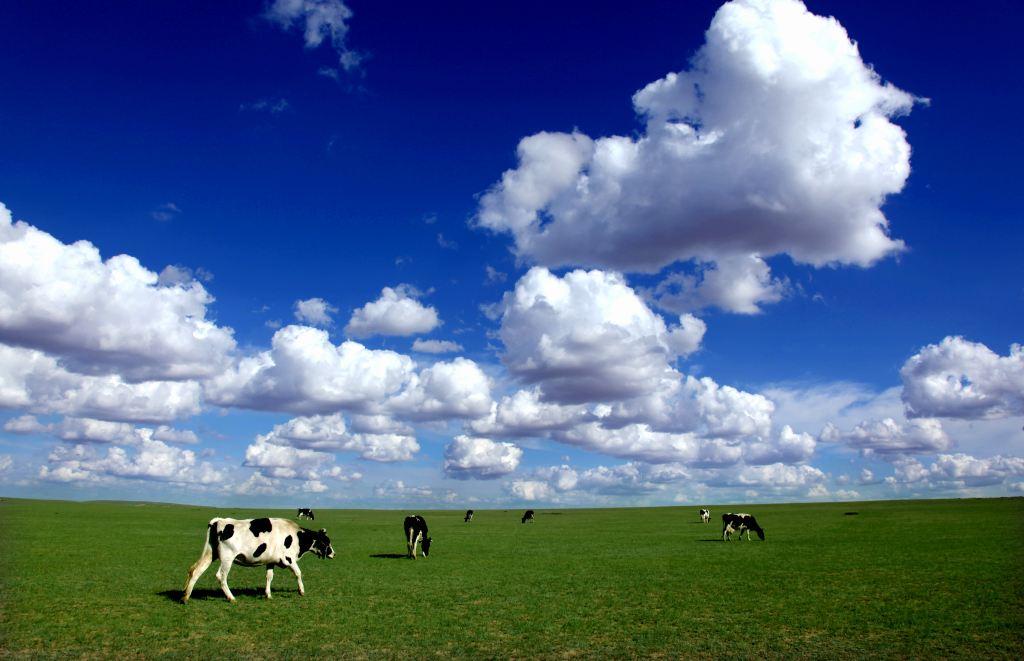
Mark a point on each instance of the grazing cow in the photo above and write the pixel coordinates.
(469, 516)
(416, 532)
(306, 513)
(705, 515)
(738, 523)
(255, 542)
(528, 516)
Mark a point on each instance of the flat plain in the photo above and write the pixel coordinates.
(927, 578)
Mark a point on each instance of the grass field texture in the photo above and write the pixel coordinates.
(899, 579)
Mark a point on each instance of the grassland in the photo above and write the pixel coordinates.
(900, 579)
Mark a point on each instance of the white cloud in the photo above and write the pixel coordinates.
(588, 337)
(304, 373)
(530, 490)
(436, 346)
(5, 462)
(480, 458)
(889, 437)
(525, 414)
(103, 316)
(146, 460)
(740, 284)
(789, 447)
(777, 140)
(26, 424)
(396, 312)
(165, 212)
(330, 433)
(319, 20)
(32, 380)
(961, 379)
(399, 490)
(456, 389)
(958, 471)
(315, 311)
(175, 274)
(771, 475)
(285, 461)
(272, 106)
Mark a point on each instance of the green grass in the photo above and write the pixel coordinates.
(901, 579)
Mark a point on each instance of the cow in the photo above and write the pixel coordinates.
(253, 543)
(528, 516)
(306, 513)
(415, 533)
(705, 515)
(739, 523)
(469, 516)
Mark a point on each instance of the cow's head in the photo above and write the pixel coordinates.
(426, 546)
(760, 533)
(322, 545)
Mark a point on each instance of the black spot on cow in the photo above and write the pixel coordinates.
(288, 542)
(259, 550)
(257, 526)
(212, 539)
(287, 560)
(240, 559)
(306, 539)
(227, 532)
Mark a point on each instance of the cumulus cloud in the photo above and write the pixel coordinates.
(588, 337)
(379, 442)
(396, 312)
(957, 471)
(319, 21)
(315, 311)
(456, 389)
(436, 346)
(777, 475)
(961, 379)
(35, 381)
(304, 373)
(789, 447)
(399, 490)
(740, 284)
(888, 437)
(777, 140)
(524, 414)
(555, 483)
(480, 458)
(175, 274)
(145, 460)
(103, 316)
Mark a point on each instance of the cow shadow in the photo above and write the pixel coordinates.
(214, 593)
(711, 540)
(391, 556)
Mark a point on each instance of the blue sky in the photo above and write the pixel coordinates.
(787, 271)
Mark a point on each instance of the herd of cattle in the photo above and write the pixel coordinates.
(280, 543)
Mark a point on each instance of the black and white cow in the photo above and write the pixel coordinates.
(306, 513)
(415, 533)
(253, 543)
(469, 516)
(705, 514)
(528, 516)
(740, 523)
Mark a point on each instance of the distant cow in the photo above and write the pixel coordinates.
(740, 523)
(255, 542)
(415, 533)
(705, 515)
(469, 516)
(306, 513)
(527, 516)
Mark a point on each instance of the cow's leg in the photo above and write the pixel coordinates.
(270, 577)
(294, 566)
(222, 576)
(196, 570)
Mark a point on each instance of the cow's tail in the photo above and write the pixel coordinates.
(211, 539)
